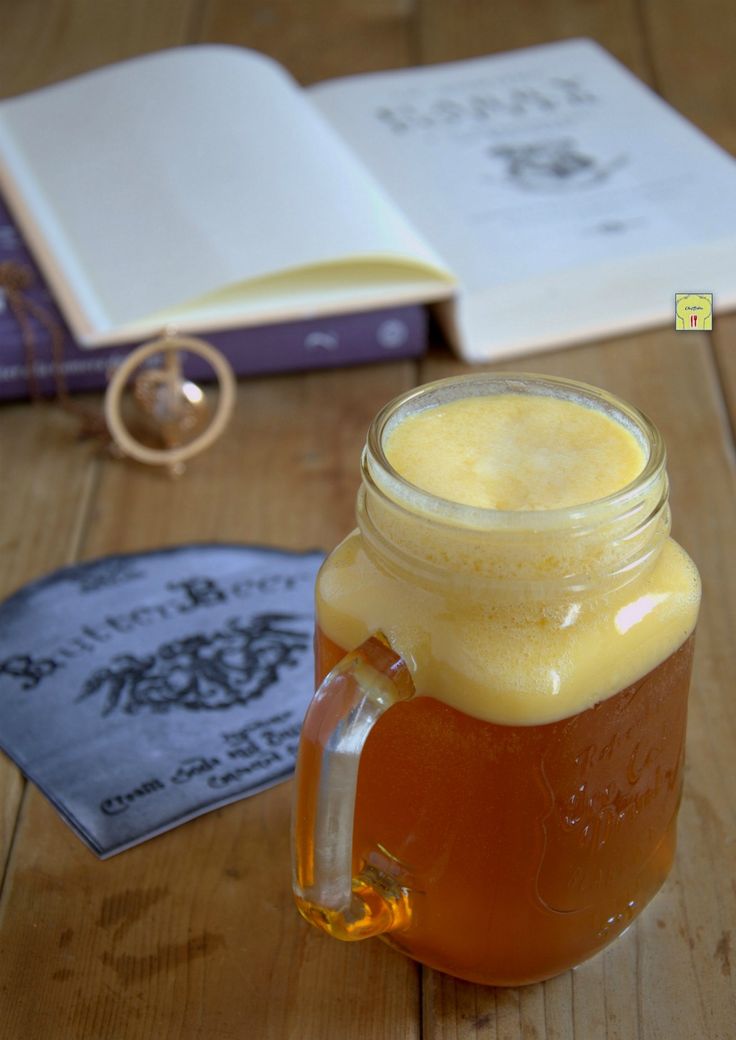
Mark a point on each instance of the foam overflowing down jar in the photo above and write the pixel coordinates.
(490, 771)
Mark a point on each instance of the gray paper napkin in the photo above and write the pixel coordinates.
(140, 691)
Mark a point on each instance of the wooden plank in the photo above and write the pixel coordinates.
(692, 53)
(466, 28)
(195, 934)
(670, 975)
(330, 39)
(47, 478)
(286, 472)
(723, 339)
(51, 40)
(11, 793)
(49, 475)
(41, 461)
(692, 56)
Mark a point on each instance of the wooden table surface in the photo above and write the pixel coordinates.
(194, 934)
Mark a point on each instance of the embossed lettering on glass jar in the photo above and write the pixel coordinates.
(516, 807)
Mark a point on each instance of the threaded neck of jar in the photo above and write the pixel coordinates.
(593, 546)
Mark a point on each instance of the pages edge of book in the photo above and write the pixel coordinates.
(646, 280)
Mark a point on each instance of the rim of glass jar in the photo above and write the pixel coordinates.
(572, 519)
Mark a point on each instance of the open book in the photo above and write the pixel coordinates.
(544, 196)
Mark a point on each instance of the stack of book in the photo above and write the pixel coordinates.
(535, 198)
(341, 339)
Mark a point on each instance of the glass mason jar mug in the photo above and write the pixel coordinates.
(490, 771)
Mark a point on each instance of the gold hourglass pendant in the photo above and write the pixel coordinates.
(173, 407)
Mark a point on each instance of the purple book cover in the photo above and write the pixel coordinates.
(326, 342)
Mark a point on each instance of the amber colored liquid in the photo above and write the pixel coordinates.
(526, 848)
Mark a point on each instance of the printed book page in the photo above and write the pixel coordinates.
(180, 177)
(530, 170)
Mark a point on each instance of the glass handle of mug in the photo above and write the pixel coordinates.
(349, 702)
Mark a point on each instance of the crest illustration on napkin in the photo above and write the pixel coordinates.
(140, 691)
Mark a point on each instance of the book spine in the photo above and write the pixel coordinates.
(325, 342)
(352, 339)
